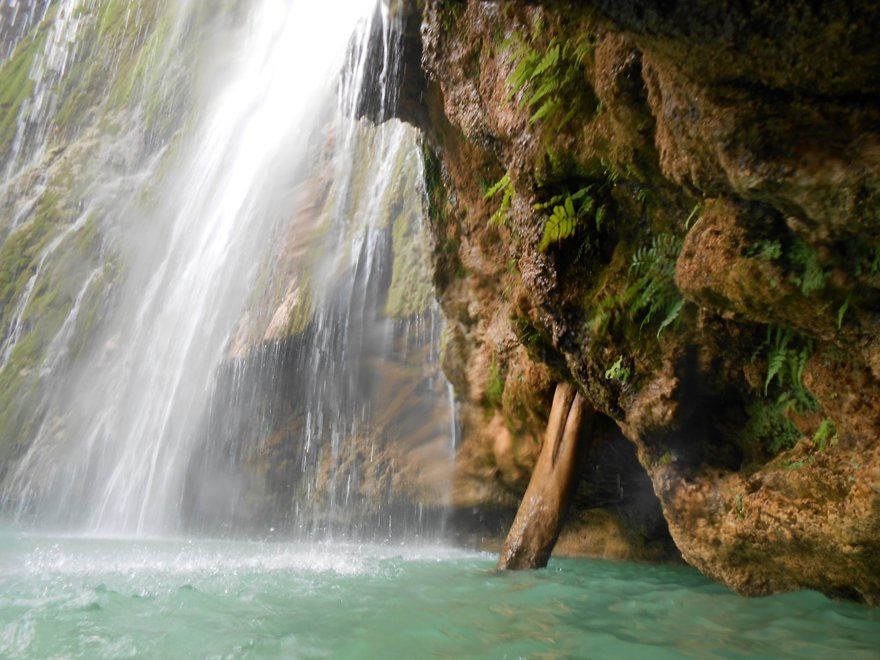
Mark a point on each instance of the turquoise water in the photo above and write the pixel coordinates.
(63, 597)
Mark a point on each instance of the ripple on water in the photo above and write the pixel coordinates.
(118, 598)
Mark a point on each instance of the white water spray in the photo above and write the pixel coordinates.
(137, 437)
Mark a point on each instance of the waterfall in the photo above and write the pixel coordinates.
(224, 324)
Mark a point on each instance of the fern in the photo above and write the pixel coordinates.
(826, 435)
(559, 226)
(604, 314)
(769, 427)
(766, 249)
(505, 186)
(498, 187)
(811, 277)
(653, 295)
(695, 212)
(869, 264)
(841, 313)
(550, 81)
(568, 211)
(551, 58)
(787, 356)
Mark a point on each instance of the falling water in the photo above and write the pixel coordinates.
(17, 18)
(245, 348)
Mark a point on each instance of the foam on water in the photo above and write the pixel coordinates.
(65, 596)
(48, 557)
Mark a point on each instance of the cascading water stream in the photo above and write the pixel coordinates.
(218, 328)
(154, 424)
(17, 18)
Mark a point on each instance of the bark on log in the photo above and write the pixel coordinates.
(539, 520)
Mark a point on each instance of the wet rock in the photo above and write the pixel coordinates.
(721, 310)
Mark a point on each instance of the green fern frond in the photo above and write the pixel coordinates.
(654, 294)
(504, 185)
(841, 313)
(567, 212)
(551, 58)
(698, 208)
(812, 276)
(542, 91)
(583, 48)
(559, 226)
(554, 80)
(766, 249)
(547, 108)
(787, 355)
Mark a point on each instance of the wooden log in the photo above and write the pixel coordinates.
(539, 520)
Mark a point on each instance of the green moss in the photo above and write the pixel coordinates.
(92, 309)
(411, 291)
(16, 85)
(118, 49)
(62, 274)
(20, 252)
(20, 385)
(111, 17)
(434, 188)
(301, 315)
(494, 386)
(449, 12)
(534, 338)
(769, 430)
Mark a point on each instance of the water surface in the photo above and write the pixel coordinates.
(166, 598)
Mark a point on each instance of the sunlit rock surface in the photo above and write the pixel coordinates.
(673, 206)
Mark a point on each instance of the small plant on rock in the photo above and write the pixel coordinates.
(618, 371)
(653, 295)
(552, 81)
(769, 424)
(811, 276)
(504, 187)
(787, 356)
(494, 386)
(567, 213)
(826, 435)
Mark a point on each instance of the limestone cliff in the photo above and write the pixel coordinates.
(676, 207)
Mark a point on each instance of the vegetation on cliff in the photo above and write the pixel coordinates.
(621, 197)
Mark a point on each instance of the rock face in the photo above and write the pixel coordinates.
(675, 207)
(346, 430)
